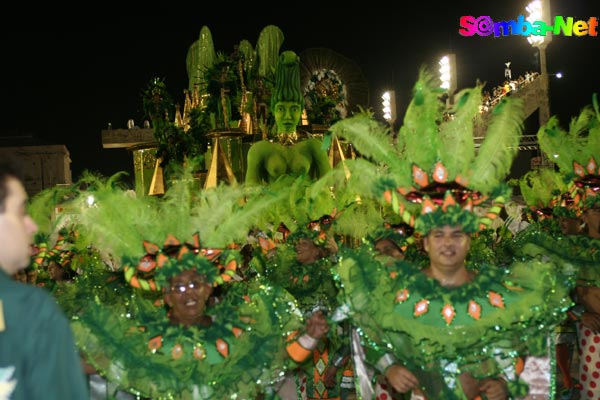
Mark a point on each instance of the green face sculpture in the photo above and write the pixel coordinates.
(287, 116)
(287, 101)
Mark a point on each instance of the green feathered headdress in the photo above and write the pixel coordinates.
(119, 221)
(434, 173)
(576, 152)
(545, 192)
(154, 270)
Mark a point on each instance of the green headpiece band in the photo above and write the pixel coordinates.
(154, 270)
(399, 233)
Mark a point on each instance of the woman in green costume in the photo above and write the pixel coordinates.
(289, 153)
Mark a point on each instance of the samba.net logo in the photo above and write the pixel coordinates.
(485, 26)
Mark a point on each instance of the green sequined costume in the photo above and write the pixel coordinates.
(242, 353)
(438, 332)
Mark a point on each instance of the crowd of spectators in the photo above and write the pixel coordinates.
(490, 99)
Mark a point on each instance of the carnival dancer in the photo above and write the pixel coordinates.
(576, 153)
(451, 329)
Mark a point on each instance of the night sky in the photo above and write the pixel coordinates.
(67, 77)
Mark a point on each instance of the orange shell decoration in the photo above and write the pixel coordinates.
(402, 295)
(428, 206)
(448, 313)
(448, 201)
(177, 351)
(474, 309)
(440, 173)
(146, 263)
(222, 347)
(237, 332)
(420, 176)
(591, 166)
(155, 343)
(151, 248)
(578, 169)
(421, 307)
(171, 241)
(496, 299)
(199, 353)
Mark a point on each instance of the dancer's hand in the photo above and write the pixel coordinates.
(494, 389)
(401, 379)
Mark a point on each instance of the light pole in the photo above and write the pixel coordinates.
(539, 10)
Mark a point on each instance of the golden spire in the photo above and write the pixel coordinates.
(187, 109)
(178, 118)
(195, 97)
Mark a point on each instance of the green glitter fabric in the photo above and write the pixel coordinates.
(132, 343)
(438, 332)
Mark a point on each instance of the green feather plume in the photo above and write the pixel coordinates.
(226, 214)
(594, 132)
(356, 214)
(43, 205)
(118, 222)
(581, 133)
(580, 143)
(554, 143)
(500, 146)
(373, 141)
(427, 137)
(370, 137)
(458, 149)
(538, 187)
(419, 132)
(178, 200)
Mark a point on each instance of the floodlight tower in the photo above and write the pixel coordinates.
(539, 10)
(448, 75)
(388, 101)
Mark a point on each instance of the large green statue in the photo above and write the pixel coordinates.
(289, 153)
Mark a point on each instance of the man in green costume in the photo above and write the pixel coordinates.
(289, 154)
